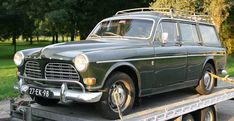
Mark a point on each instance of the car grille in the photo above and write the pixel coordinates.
(57, 71)
(61, 71)
(32, 69)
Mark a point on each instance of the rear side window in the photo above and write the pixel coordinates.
(171, 29)
(209, 35)
(189, 34)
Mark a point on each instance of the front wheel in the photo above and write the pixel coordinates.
(124, 85)
(207, 82)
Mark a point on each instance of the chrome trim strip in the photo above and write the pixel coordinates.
(109, 61)
(52, 80)
(198, 55)
(136, 59)
(152, 58)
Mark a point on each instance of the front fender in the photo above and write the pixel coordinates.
(120, 64)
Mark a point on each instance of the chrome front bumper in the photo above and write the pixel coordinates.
(63, 93)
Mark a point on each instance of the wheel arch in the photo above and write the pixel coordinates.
(129, 69)
(210, 60)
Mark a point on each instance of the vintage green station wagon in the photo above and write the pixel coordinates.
(135, 53)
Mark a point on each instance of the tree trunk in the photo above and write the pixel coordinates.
(72, 35)
(63, 38)
(27, 38)
(14, 43)
(31, 40)
(56, 37)
(73, 32)
(53, 40)
(37, 37)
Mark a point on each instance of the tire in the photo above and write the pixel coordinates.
(45, 101)
(187, 117)
(208, 114)
(206, 83)
(107, 105)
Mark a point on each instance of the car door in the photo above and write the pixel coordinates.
(170, 57)
(192, 43)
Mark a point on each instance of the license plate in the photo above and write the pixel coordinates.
(40, 92)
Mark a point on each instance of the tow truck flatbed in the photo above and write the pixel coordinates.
(158, 107)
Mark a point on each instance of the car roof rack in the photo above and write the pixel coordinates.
(172, 13)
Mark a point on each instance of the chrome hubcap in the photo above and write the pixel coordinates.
(207, 80)
(122, 95)
(123, 90)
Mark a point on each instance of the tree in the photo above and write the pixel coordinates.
(60, 17)
(90, 12)
(11, 21)
(217, 9)
(186, 5)
(227, 32)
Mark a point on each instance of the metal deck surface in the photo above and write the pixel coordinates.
(152, 104)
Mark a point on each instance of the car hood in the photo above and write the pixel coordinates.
(68, 51)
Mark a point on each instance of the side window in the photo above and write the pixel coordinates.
(209, 35)
(171, 29)
(189, 34)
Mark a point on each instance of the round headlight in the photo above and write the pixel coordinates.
(81, 62)
(19, 58)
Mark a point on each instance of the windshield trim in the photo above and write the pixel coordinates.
(120, 18)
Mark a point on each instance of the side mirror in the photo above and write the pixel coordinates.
(164, 37)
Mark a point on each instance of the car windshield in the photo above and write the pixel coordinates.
(124, 28)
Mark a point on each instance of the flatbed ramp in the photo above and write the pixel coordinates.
(155, 108)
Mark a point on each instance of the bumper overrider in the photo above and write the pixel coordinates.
(63, 93)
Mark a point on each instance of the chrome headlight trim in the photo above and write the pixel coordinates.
(19, 58)
(81, 62)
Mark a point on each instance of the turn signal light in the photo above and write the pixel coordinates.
(89, 81)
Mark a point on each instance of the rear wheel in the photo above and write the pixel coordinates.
(45, 101)
(124, 85)
(207, 82)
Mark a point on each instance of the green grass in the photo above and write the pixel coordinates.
(8, 68)
(230, 65)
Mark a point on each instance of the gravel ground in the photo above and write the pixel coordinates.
(226, 110)
(4, 109)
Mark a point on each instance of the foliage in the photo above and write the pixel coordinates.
(91, 12)
(217, 9)
(56, 17)
(230, 65)
(227, 32)
(188, 5)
